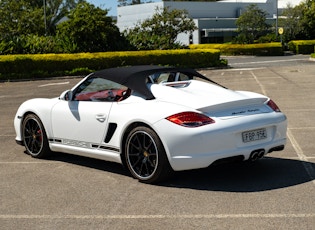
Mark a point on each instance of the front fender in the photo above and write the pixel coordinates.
(41, 107)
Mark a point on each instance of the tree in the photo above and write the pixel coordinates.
(291, 22)
(25, 17)
(19, 18)
(299, 21)
(130, 2)
(56, 10)
(160, 31)
(252, 24)
(122, 2)
(308, 19)
(91, 30)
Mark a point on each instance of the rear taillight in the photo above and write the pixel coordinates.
(273, 106)
(190, 119)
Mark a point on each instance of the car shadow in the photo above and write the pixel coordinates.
(89, 163)
(265, 174)
(269, 173)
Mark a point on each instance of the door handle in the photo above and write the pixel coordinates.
(100, 117)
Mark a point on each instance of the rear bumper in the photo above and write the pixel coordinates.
(195, 161)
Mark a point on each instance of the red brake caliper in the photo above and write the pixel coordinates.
(40, 135)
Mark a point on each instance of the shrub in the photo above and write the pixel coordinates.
(43, 65)
(302, 46)
(29, 44)
(266, 49)
(267, 38)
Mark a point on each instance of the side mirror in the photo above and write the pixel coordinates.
(66, 95)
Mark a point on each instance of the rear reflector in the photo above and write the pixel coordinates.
(273, 106)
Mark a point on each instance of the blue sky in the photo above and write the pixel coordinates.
(106, 4)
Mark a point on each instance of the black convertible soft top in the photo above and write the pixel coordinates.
(135, 77)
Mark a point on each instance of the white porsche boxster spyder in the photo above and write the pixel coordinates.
(154, 120)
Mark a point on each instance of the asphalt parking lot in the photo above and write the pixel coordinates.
(72, 192)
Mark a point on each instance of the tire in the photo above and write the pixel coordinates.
(34, 137)
(145, 156)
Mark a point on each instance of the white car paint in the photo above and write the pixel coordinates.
(80, 127)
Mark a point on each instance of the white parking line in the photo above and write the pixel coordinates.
(16, 95)
(292, 158)
(198, 216)
(296, 145)
(301, 128)
(274, 61)
(239, 69)
(258, 82)
(309, 169)
(51, 84)
(30, 162)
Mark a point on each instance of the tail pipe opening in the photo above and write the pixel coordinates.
(257, 154)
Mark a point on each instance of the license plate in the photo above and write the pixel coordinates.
(254, 135)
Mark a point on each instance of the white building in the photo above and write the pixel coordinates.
(215, 20)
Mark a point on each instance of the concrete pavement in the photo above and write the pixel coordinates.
(71, 192)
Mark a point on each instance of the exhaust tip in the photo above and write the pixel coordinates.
(253, 156)
(261, 154)
(257, 154)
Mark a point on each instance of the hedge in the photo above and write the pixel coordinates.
(43, 65)
(261, 49)
(302, 46)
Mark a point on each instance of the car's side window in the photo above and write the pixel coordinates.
(168, 77)
(99, 89)
(158, 78)
(183, 77)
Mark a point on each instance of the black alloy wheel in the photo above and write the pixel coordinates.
(145, 156)
(34, 137)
